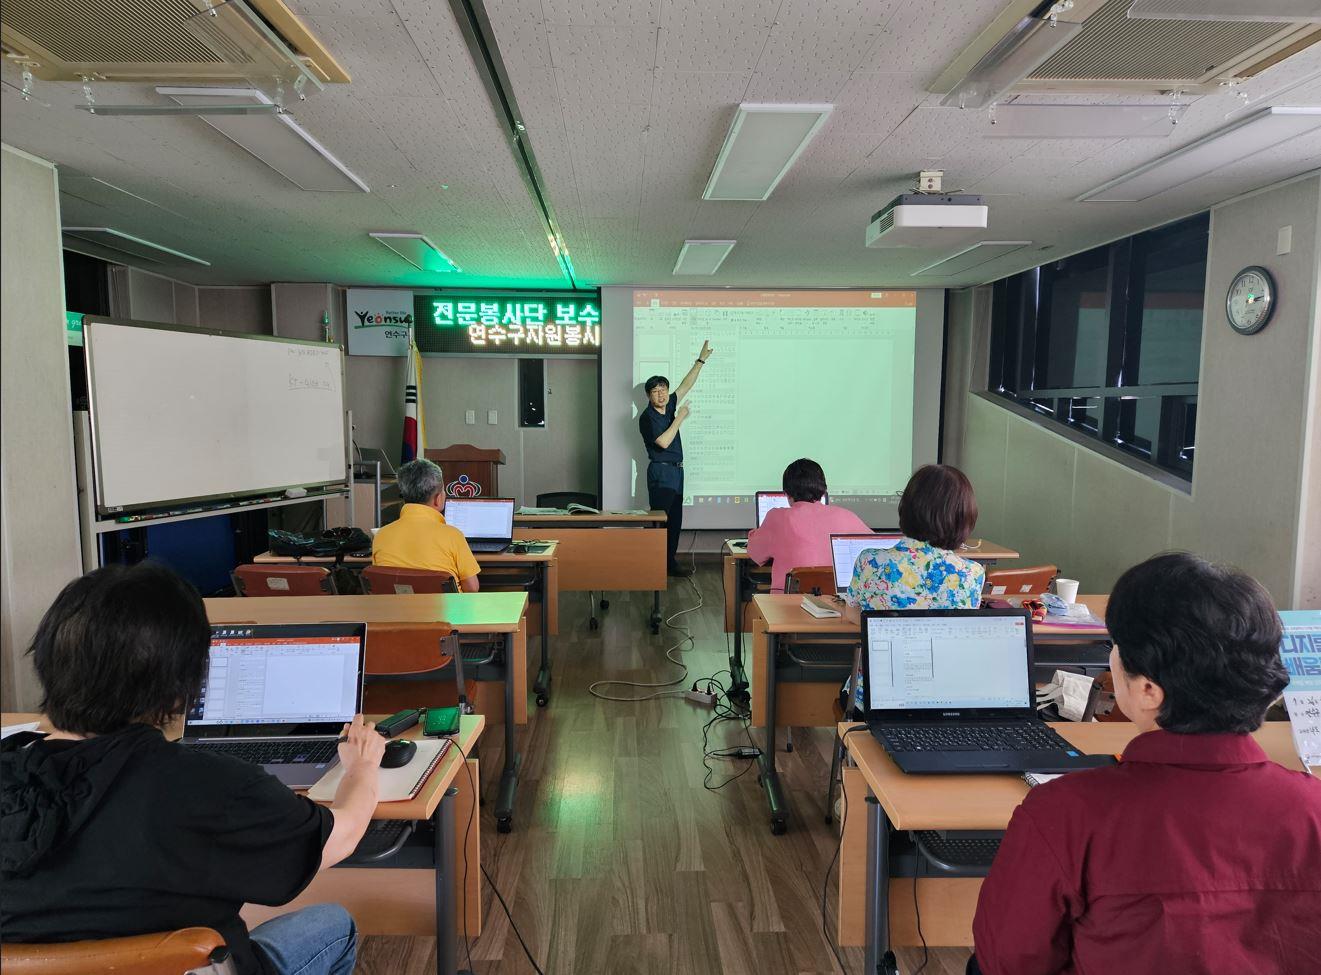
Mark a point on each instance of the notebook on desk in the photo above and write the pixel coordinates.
(397, 784)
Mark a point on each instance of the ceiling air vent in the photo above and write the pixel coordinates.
(258, 41)
(1114, 52)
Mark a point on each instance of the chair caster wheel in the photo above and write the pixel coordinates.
(605, 604)
(542, 700)
(593, 623)
(778, 827)
(789, 746)
(889, 964)
(505, 825)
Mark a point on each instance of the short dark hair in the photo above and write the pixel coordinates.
(938, 506)
(1208, 634)
(121, 645)
(804, 480)
(655, 381)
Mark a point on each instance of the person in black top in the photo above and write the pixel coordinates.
(659, 425)
(108, 829)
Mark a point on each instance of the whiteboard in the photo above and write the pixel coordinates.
(185, 415)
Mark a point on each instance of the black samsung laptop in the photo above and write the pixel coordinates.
(279, 696)
(951, 691)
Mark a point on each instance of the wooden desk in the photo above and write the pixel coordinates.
(424, 895)
(605, 552)
(744, 578)
(496, 613)
(544, 565)
(895, 801)
(812, 703)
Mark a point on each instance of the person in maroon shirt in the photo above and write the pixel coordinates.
(1196, 854)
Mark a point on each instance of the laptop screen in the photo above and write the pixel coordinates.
(769, 500)
(304, 675)
(845, 549)
(482, 518)
(936, 660)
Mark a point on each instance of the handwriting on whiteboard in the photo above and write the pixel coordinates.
(310, 382)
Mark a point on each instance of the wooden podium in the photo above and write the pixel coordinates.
(470, 472)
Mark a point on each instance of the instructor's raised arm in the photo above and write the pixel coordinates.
(686, 386)
(668, 434)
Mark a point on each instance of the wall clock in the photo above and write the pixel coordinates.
(1251, 300)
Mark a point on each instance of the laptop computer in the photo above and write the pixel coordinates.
(845, 549)
(769, 500)
(487, 523)
(951, 691)
(279, 696)
(370, 454)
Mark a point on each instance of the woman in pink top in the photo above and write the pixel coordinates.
(798, 536)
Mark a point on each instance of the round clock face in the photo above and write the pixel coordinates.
(1251, 300)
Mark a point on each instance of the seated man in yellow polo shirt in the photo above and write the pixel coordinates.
(420, 539)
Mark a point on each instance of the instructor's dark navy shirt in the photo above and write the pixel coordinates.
(652, 424)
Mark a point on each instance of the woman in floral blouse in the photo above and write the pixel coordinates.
(937, 513)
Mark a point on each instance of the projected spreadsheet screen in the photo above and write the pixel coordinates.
(919, 662)
(279, 681)
(481, 519)
(821, 374)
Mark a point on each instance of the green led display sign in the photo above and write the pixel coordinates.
(566, 323)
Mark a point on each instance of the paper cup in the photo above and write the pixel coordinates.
(1067, 589)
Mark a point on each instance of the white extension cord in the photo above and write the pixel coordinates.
(669, 653)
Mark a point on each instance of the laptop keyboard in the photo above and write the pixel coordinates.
(275, 752)
(488, 546)
(971, 738)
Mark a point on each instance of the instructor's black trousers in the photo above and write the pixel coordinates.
(665, 493)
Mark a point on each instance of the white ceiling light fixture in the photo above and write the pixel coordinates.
(1252, 11)
(1256, 133)
(274, 138)
(982, 252)
(1027, 46)
(124, 243)
(702, 256)
(762, 143)
(416, 249)
(1017, 120)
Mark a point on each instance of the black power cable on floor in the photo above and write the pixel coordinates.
(825, 883)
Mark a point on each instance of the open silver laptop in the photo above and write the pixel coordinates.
(487, 523)
(370, 454)
(768, 501)
(279, 696)
(845, 549)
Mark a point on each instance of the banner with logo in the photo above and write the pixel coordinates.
(378, 321)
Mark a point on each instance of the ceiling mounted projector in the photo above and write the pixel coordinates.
(926, 220)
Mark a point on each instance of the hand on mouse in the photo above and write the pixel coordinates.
(362, 747)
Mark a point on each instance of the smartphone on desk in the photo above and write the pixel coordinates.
(441, 722)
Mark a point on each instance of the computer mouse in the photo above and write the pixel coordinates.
(398, 753)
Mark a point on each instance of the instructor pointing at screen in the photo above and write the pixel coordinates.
(659, 425)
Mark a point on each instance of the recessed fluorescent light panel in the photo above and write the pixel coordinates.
(1258, 11)
(117, 240)
(417, 250)
(982, 252)
(1259, 132)
(1026, 47)
(702, 256)
(762, 143)
(275, 139)
(1019, 121)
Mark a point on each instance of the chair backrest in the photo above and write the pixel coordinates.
(403, 665)
(816, 579)
(283, 580)
(562, 499)
(188, 950)
(381, 579)
(1031, 581)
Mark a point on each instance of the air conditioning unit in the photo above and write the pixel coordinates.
(927, 220)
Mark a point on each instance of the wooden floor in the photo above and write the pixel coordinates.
(620, 861)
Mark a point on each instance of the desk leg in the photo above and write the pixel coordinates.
(542, 685)
(504, 805)
(447, 942)
(738, 689)
(880, 959)
(655, 620)
(770, 779)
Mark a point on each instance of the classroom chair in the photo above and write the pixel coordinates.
(188, 951)
(406, 663)
(819, 580)
(283, 580)
(1030, 581)
(817, 658)
(380, 579)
